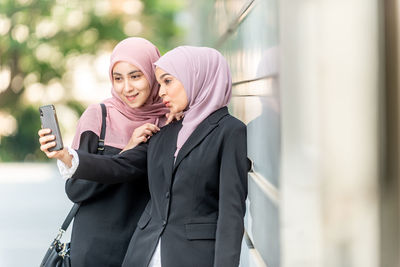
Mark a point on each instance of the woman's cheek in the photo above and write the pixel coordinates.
(117, 88)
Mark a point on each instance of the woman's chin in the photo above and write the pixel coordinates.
(175, 109)
(172, 109)
(133, 104)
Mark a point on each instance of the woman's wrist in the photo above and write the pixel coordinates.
(68, 163)
(66, 157)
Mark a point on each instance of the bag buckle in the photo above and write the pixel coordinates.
(101, 145)
(60, 234)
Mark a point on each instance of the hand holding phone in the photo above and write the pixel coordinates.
(48, 118)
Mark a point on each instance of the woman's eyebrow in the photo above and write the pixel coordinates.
(163, 75)
(132, 72)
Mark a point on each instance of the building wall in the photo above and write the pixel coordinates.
(246, 32)
(308, 78)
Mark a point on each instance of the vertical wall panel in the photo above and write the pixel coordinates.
(263, 225)
(252, 53)
(246, 32)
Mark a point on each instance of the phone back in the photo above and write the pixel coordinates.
(48, 118)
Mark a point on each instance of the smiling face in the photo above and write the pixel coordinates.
(171, 91)
(130, 84)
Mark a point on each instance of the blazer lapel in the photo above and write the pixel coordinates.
(202, 130)
(169, 141)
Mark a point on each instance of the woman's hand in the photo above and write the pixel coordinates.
(141, 135)
(46, 141)
(173, 116)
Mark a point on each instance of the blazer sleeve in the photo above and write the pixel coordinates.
(125, 167)
(232, 197)
(82, 190)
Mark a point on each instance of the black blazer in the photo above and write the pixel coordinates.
(107, 216)
(197, 204)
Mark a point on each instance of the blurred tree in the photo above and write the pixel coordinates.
(37, 37)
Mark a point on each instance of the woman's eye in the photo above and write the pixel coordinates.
(117, 78)
(136, 76)
(167, 81)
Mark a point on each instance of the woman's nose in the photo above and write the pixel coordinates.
(162, 91)
(127, 86)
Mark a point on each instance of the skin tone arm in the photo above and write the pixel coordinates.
(46, 140)
(139, 135)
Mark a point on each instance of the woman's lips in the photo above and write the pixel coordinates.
(131, 97)
(166, 103)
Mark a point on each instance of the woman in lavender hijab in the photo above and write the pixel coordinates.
(196, 167)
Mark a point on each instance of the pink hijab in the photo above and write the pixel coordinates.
(122, 120)
(205, 75)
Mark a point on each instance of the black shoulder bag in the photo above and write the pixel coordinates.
(58, 253)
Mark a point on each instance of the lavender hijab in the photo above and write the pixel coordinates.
(205, 75)
(122, 120)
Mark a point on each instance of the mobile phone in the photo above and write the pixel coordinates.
(48, 118)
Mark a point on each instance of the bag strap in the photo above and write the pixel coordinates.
(70, 216)
(75, 207)
(62, 230)
(100, 147)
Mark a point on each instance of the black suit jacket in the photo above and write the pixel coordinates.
(197, 203)
(107, 216)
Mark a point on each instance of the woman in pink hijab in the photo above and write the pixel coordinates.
(197, 168)
(108, 214)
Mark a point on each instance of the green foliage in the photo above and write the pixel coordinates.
(163, 30)
(24, 144)
(77, 27)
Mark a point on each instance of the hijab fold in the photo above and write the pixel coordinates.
(122, 120)
(205, 75)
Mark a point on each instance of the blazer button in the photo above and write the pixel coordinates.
(167, 195)
(164, 222)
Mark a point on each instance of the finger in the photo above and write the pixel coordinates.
(149, 127)
(151, 132)
(154, 128)
(43, 140)
(145, 133)
(46, 147)
(51, 154)
(42, 148)
(43, 132)
(152, 125)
